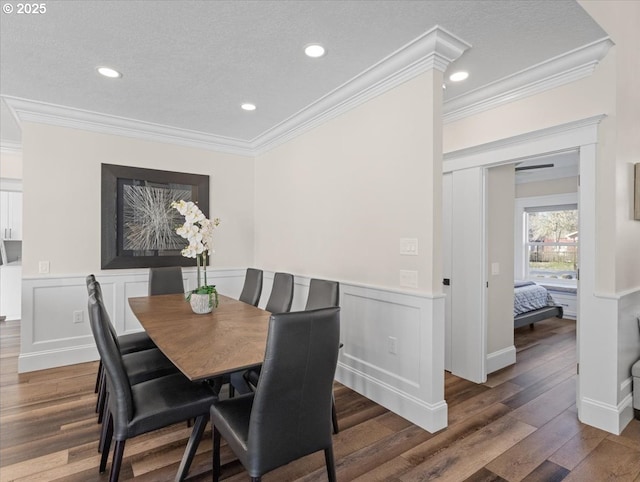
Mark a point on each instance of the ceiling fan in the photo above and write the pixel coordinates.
(530, 168)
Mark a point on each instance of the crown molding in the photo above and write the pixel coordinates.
(563, 69)
(9, 147)
(25, 110)
(435, 49)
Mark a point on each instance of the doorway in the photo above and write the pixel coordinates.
(465, 255)
(10, 250)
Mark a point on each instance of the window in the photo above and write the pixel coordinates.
(551, 243)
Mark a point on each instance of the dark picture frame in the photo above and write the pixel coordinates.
(137, 222)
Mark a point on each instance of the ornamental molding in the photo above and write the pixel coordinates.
(435, 49)
(25, 110)
(563, 69)
(9, 147)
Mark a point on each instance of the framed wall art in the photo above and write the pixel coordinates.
(138, 222)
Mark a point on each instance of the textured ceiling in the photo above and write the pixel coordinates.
(190, 64)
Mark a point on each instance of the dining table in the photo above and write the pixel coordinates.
(204, 347)
(231, 338)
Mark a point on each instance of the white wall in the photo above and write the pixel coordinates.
(10, 165)
(336, 201)
(561, 185)
(62, 194)
(620, 19)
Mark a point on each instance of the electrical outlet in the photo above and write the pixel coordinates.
(408, 278)
(43, 267)
(392, 344)
(78, 317)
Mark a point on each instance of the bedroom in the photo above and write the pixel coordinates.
(545, 250)
(512, 194)
(532, 243)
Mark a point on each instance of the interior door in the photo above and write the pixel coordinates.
(467, 319)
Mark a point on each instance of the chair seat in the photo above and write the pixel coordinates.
(233, 416)
(132, 342)
(167, 400)
(144, 365)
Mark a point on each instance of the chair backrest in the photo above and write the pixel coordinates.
(252, 288)
(120, 397)
(323, 294)
(281, 295)
(94, 287)
(90, 279)
(165, 281)
(294, 394)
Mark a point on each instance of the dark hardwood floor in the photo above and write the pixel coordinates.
(521, 425)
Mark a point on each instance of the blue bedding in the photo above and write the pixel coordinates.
(530, 296)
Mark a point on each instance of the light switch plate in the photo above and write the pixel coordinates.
(409, 246)
(495, 269)
(43, 267)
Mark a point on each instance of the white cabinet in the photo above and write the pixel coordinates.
(11, 291)
(11, 215)
(568, 301)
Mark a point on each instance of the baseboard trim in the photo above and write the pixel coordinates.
(431, 417)
(500, 359)
(42, 360)
(611, 418)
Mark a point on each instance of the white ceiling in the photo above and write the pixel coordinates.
(190, 64)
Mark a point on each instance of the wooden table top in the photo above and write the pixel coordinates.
(231, 338)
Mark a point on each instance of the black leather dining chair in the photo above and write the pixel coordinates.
(322, 294)
(165, 280)
(252, 288)
(135, 409)
(287, 417)
(281, 296)
(128, 343)
(139, 366)
(280, 301)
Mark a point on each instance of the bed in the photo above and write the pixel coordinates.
(532, 303)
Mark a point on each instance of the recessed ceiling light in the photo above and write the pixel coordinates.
(109, 72)
(247, 106)
(458, 76)
(314, 50)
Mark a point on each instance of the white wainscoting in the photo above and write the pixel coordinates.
(617, 326)
(410, 382)
(49, 336)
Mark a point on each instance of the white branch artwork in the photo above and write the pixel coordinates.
(149, 220)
